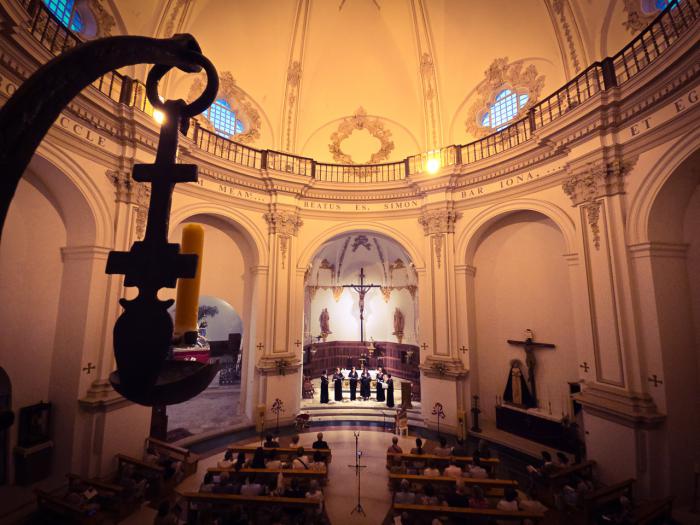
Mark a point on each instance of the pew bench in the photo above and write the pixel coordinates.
(158, 486)
(282, 451)
(113, 498)
(60, 511)
(286, 472)
(486, 484)
(648, 512)
(490, 464)
(203, 507)
(548, 486)
(188, 459)
(466, 513)
(593, 502)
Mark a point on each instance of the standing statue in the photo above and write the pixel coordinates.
(517, 392)
(324, 320)
(399, 322)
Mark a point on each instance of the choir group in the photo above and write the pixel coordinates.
(385, 385)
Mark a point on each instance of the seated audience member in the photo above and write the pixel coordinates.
(509, 502)
(219, 486)
(452, 470)
(227, 462)
(442, 449)
(532, 505)
(418, 449)
(428, 497)
(460, 449)
(316, 494)
(208, 483)
(483, 448)
(273, 462)
(319, 443)
(457, 498)
(403, 495)
(294, 443)
(300, 461)
(294, 490)
(150, 456)
(583, 486)
(477, 471)
(240, 461)
(397, 466)
(478, 498)
(165, 515)
(430, 470)
(270, 442)
(318, 463)
(394, 448)
(251, 488)
(562, 460)
(134, 489)
(258, 458)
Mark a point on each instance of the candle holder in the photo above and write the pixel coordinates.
(277, 407)
(439, 413)
(475, 414)
(143, 332)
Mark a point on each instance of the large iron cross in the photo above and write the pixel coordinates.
(529, 345)
(362, 289)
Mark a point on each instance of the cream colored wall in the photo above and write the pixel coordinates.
(522, 281)
(691, 231)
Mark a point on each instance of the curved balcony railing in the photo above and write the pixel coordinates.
(677, 19)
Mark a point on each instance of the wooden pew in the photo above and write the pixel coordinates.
(647, 512)
(282, 451)
(548, 486)
(158, 487)
(593, 501)
(203, 506)
(286, 472)
(61, 511)
(113, 498)
(467, 513)
(188, 459)
(486, 484)
(489, 464)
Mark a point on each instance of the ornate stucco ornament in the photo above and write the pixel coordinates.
(360, 121)
(283, 222)
(239, 101)
(637, 18)
(500, 75)
(439, 221)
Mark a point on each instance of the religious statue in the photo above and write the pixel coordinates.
(324, 319)
(399, 323)
(517, 392)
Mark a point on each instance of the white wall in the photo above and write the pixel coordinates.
(522, 281)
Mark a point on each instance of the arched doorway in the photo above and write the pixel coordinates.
(361, 309)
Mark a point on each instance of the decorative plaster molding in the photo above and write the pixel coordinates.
(103, 19)
(439, 221)
(627, 408)
(637, 19)
(566, 20)
(239, 101)
(503, 75)
(437, 247)
(360, 121)
(176, 15)
(283, 222)
(442, 368)
(127, 190)
(593, 215)
(278, 365)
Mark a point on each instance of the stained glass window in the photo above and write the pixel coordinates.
(504, 109)
(223, 118)
(65, 11)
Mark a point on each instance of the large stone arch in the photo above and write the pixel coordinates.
(468, 241)
(307, 253)
(640, 210)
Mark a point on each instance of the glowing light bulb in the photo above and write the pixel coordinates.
(433, 165)
(158, 116)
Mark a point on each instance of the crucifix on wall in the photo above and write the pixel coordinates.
(529, 346)
(362, 289)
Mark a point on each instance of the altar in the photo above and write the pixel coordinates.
(536, 425)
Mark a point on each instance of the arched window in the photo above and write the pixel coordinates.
(66, 13)
(653, 6)
(505, 108)
(223, 118)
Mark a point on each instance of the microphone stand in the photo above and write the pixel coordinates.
(358, 472)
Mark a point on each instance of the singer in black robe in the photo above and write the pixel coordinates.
(380, 386)
(324, 387)
(353, 383)
(365, 385)
(389, 391)
(338, 384)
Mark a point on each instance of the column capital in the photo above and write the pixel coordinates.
(631, 409)
(443, 368)
(439, 221)
(128, 191)
(596, 180)
(280, 364)
(283, 222)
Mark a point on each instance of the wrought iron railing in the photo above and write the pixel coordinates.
(677, 19)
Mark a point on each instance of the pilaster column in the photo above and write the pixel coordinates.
(280, 362)
(442, 369)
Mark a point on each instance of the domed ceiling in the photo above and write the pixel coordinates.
(357, 81)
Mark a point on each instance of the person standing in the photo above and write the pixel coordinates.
(338, 384)
(353, 383)
(365, 384)
(380, 385)
(389, 391)
(324, 387)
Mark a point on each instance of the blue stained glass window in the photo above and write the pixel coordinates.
(65, 11)
(223, 118)
(504, 109)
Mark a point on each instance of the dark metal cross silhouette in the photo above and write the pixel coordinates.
(362, 289)
(529, 345)
(89, 368)
(585, 366)
(655, 380)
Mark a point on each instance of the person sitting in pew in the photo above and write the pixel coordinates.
(319, 443)
(397, 466)
(228, 461)
(477, 471)
(270, 442)
(294, 443)
(403, 495)
(318, 463)
(509, 502)
(458, 498)
(442, 449)
(258, 458)
(294, 490)
(300, 461)
(478, 499)
(483, 450)
(274, 462)
(418, 449)
(316, 494)
(134, 488)
(460, 449)
(394, 448)
(208, 483)
(251, 488)
(452, 470)
(562, 460)
(430, 470)
(428, 497)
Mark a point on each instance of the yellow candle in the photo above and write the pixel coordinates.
(187, 300)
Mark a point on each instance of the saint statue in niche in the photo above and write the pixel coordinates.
(324, 320)
(399, 323)
(517, 392)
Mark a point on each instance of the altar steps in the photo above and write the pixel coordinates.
(354, 411)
